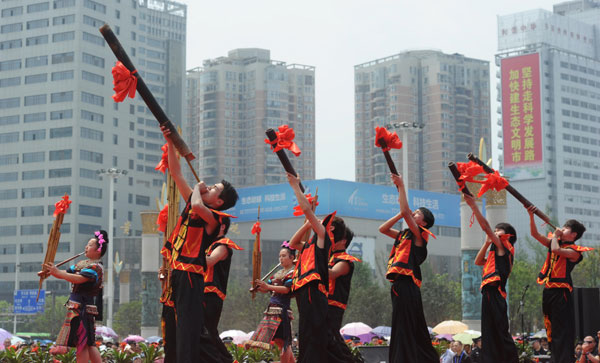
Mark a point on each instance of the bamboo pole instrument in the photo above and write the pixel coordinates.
(256, 256)
(172, 217)
(283, 158)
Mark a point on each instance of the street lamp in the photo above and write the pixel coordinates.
(112, 173)
(405, 127)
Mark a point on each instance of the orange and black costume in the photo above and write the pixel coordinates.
(339, 292)
(186, 250)
(496, 341)
(310, 284)
(410, 341)
(557, 301)
(215, 290)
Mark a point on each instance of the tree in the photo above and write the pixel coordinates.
(523, 278)
(51, 320)
(587, 272)
(240, 311)
(369, 302)
(128, 319)
(441, 296)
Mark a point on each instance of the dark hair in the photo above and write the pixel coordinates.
(229, 196)
(427, 217)
(291, 252)
(225, 221)
(508, 229)
(339, 232)
(576, 227)
(105, 244)
(349, 236)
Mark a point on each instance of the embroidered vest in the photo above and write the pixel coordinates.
(216, 276)
(556, 270)
(339, 289)
(498, 268)
(406, 257)
(312, 262)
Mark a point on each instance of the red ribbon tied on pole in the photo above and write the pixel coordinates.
(256, 228)
(162, 219)
(493, 181)
(163, 164)
(391, 139)
(284, 140)
(298, 210)
(62, 206)
(124, 81)
(468, 171)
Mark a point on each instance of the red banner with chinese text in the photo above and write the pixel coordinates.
(522, 117)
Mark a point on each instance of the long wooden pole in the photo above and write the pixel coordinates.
(283, 158)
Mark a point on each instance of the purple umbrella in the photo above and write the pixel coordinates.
(105, 331)
(4, 335)
(134, 338)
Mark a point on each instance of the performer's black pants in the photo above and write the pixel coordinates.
(193, 342)
(169, 334)
(497, 345)
(410, 341)
(212, 315)
(559, 312)
(337, 348)
(312, 326)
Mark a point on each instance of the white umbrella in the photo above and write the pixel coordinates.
(450, 327)
(238, 336)
(540, 334)
(355, 329)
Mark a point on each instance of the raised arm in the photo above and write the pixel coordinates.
(296, 241)
(386, 227)
(307, 209)
(405, 211)
(485, 225)
(533, 228)
(565, 252)
(339, 269)
(175, 167)
(480, 258)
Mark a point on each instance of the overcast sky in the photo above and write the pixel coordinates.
(336, 35)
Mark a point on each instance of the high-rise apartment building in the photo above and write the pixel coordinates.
(60, 124)
(549, 84)
(441, 101)
(232, 100)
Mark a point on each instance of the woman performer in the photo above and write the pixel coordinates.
(276, 324)
(85, 301)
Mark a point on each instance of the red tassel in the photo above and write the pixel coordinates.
(124, 81)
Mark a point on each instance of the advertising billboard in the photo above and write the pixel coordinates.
(522, 117)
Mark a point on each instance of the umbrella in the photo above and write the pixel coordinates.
(540, 334)
(450, 327)
(382, 331)
(153, 339)
(134, 338)
(238, 336)
(15, 340)
(355, 329)
(448, 337)
(105, 331)
(464, 338)
(4, 334)
(474, 333)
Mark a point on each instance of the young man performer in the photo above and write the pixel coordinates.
(311, 277)
(218, 261)
(498, 345)
(196, 230)
(557, 300)
(410, 341)
(341, 268)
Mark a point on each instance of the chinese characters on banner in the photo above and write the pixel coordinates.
(521, 117)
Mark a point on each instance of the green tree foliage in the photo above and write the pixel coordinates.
(128, 319)
(441, 296)
(240, 311)
(587, 272)
(524, 273)
(369, 302)
(51, 320)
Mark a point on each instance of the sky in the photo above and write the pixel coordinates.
(336, 35)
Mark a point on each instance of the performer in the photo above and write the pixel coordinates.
(410, 341)
(276, 324)
(498, 345)
(196, 230)
(311, 277)
(557, 300)
(85, 301)
(218, 261)
(341, 268)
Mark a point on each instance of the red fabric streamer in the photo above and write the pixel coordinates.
(162, 219)
(256, 228)
(493, 181)
(472, 220)
(163, 164)
(298, 211)
(124, 81)
(62, 206)
(426, 233)
(391, 139)
(284, 140)
(468, 171)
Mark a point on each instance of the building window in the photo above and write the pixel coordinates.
(142, 200)
(8, 231)
(63, 20)
(10, 212)
(94, 39)
(61, 97)
(92, 156)
(92, 99)
(63, 57)
(61, 115)
(34, 8)
(88, 228)
(88, 210)
(29, 193)
(9, 159)
(62, 75)
(34, 157)
(66, 154)
(94, 6)
(35, 211)
(59, 4)
(10, 65)
(36, 78)
(9, 103)
(88, 174)
(11, 44)
(12, 11)
(11, 28)
(39, 61)
(93, 60)
(92, 77)
(90, 191)
(9, 120)
(33, 175)
(34, 117)
(40, 39)
(33, 135)
(92, 134)
(10, 82)
(60, 132)
(59, 173)
(96, 23)
(8, 194)
(92, 116)
(63, 37)
(39, 23)
(59, 190)
(9, 177)
(29, 230)
(9, 137)
(35, 100)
